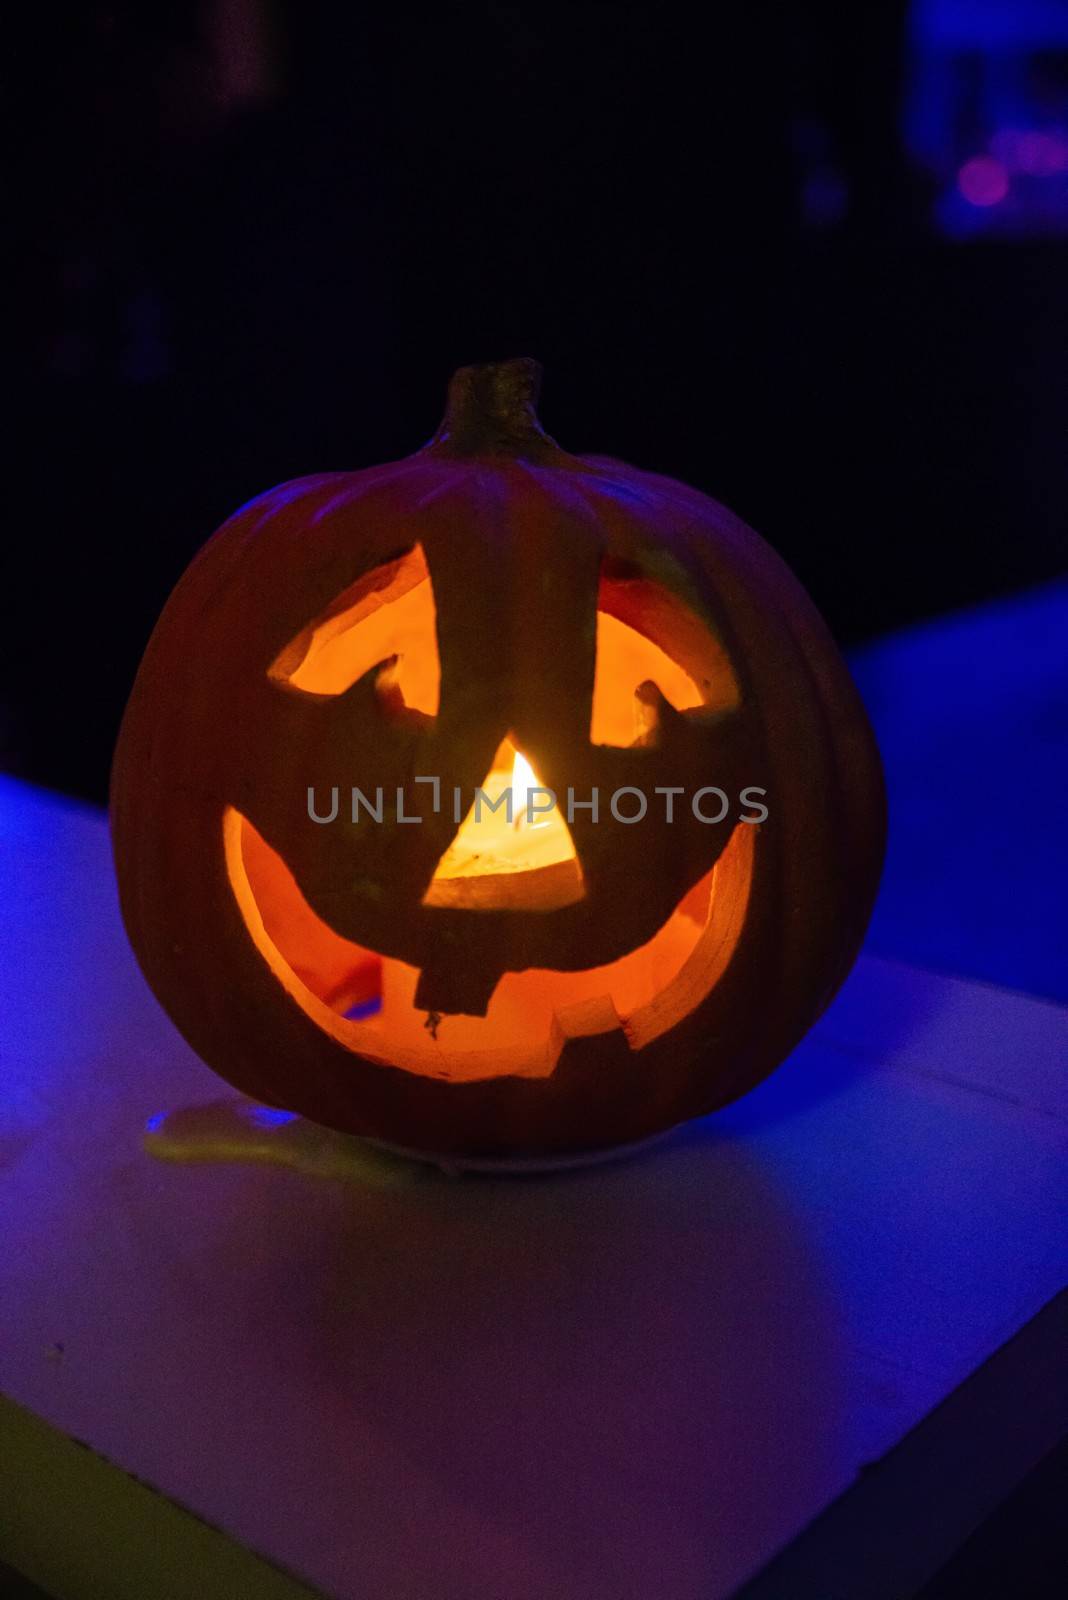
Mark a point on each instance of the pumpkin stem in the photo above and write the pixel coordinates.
(490, 411)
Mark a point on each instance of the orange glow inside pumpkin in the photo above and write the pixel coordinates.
(387, 619)
(645, 634)
(531, 1014)
(387, 616)
(625, 659)
(518, 856)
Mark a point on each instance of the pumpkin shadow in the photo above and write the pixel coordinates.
(613, 1382)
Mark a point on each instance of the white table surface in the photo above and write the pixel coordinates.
(639, 1380)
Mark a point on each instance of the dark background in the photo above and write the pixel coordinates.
(252, 241)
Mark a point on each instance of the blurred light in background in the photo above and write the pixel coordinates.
(986, 112)
(983, 181)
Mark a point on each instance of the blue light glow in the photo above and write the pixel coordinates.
(364, 1009)
(986, 113)
(970, 714)
(270, 1116)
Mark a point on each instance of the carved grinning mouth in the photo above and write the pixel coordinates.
(531, 1014)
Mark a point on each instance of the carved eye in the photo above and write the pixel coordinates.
(387, 616)
(646, 634)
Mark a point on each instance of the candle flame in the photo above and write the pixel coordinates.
(501, 842)
(524, 779)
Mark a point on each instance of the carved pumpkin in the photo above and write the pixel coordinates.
(338, 927)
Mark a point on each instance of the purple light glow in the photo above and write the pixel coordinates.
(1039, 154)
(983, 181)
(1043, 154)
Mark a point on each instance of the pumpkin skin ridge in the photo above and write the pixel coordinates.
(862, 767)
(225, 549)
(617, 1097)
(750, 1050)
(752, 554)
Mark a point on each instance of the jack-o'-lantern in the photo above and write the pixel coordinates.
(495, 801)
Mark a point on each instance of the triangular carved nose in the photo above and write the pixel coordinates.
(514, 851)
